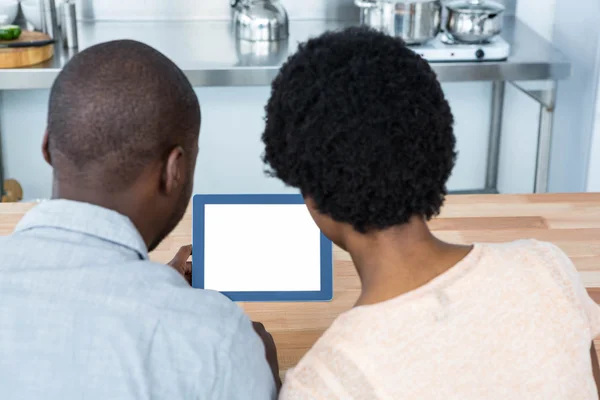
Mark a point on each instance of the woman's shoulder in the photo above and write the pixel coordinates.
(531, 246)
(532, 251)
(528, 253)
(531, 257)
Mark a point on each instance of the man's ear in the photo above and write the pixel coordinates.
(173, 174)
(45, 150)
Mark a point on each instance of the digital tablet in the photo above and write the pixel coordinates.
(260, 248)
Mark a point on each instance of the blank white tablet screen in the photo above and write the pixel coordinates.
(261, 248)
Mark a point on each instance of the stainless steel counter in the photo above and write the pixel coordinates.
(210, 56)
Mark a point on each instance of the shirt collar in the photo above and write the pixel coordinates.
(87, 219)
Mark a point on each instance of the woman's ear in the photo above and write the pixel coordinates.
(310, 203)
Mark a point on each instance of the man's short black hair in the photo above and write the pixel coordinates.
(359, 122)
(116, 107)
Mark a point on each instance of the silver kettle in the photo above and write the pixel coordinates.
(260, 20)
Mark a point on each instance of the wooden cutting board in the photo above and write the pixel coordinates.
(25, 57)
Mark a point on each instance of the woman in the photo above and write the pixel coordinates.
(359, 123)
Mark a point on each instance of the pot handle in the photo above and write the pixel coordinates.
(235, 3)
(483, 18)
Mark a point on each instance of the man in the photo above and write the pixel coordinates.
(83, 312)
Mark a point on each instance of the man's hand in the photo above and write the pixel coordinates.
(271, 351)
(181, 264)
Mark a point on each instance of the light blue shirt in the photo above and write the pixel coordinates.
(84, 314)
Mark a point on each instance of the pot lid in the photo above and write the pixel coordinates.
(475, 6)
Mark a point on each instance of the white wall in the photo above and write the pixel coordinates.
(593, 178)
(215, 9)
(577, 35)
(539, 16)
(593, 181)
(203, 9)
(230, 146)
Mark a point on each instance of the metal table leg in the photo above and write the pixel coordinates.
(1, 167)
(547, 100)
(493, 159)
(545, 141)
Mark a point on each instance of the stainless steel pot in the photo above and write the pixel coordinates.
(261, 53)
(260, 20)
(474, 21)
(416, 21)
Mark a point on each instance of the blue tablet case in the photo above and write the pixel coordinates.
(198, 231)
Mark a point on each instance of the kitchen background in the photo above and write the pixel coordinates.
(230, 147)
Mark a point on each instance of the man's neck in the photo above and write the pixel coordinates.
(123, 202)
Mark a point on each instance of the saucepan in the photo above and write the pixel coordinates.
(474, 21)
(416, 21)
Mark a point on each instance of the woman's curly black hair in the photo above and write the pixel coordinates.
(359, 122)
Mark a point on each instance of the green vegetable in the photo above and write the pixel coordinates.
(9, 32)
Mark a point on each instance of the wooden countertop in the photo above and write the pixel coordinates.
(571, 221)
